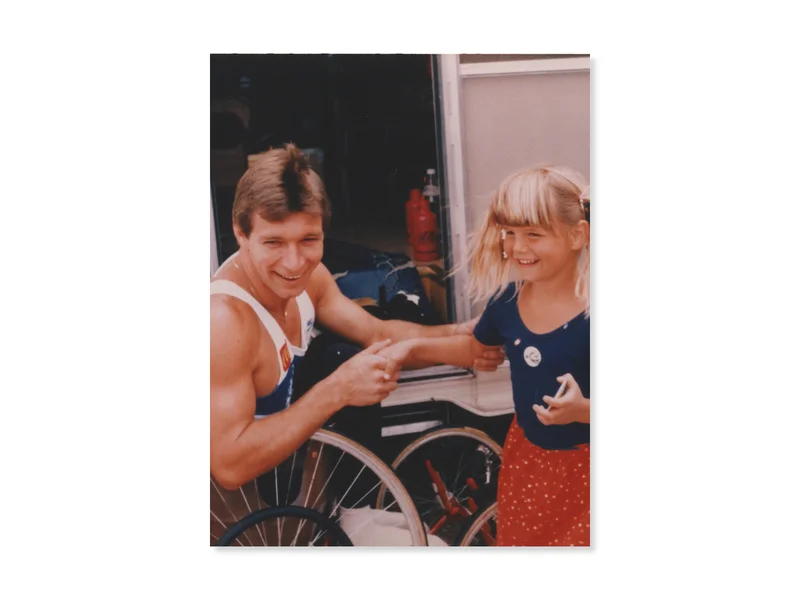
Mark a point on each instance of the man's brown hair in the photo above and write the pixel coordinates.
(278, 184)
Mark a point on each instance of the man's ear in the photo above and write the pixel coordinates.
(241, 238)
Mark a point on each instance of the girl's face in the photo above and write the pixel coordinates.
(541, 254)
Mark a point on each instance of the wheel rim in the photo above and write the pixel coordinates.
(482, 529)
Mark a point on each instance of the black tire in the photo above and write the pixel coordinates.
(339, 536)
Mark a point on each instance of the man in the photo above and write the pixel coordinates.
(265, 301)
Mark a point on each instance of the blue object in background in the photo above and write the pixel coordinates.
(360, 272)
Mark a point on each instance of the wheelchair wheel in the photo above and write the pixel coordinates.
(480, 529)
(449, 472)
(333, 478)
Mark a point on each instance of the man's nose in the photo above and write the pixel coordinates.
(292, 259)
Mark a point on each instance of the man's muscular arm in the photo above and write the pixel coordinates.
(241, 447)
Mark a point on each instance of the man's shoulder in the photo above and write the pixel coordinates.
(232, 321)
(319, 284)
(235, 339)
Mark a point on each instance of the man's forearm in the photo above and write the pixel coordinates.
(267, 442)
(398, 331)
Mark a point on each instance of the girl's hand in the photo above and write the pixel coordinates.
(571, 407)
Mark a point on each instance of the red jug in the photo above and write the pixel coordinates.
(425, 241)
(414, 204)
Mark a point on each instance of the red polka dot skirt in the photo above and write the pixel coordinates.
(543, 495)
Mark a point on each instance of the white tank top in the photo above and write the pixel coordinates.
(283, 347)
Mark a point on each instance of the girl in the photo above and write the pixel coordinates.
(531, 261)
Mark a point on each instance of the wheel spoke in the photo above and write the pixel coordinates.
(458, 472)
(458, 469)
(260, 528)
(457, 495)
(244, 496)
(338, 504)
(225, 528)
(278, 499)
(230, 510)
(374, 487)
(368, 521)
(291, 474)
(308, 493)
(430, 510)
(325, 485)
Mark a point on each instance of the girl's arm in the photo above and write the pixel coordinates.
(456, 350)
(341, 315)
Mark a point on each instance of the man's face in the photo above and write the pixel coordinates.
(284, 253)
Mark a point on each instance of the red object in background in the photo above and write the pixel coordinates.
(414, 204)
(425, 240)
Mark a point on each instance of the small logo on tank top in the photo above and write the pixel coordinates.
(286, 356)
(532, 356)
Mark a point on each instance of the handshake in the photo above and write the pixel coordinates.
(372, 374)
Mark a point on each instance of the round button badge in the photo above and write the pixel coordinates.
(532, 356)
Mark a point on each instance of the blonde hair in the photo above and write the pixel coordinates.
(541, 196)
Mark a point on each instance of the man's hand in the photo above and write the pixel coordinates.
(397, 353)
(490, 359)
(368, 377)
(572, 407)
(467, 328)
